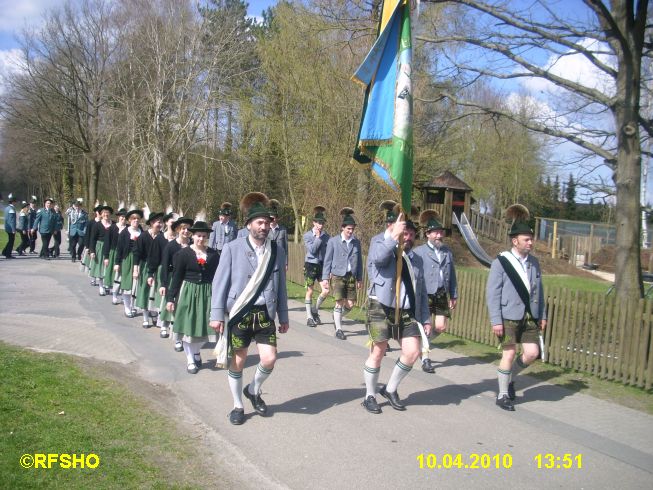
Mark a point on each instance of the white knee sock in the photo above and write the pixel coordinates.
(262, 373)
(236, 386)
(309, 312)
(504, 381)
(337, 317)
(400, 371)
(371, 376)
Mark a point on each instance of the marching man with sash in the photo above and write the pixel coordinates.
(515, 301)
(249, 291)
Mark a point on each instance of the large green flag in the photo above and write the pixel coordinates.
(385, 140)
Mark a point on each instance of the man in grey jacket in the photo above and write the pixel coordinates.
(10, 226)
(251, 274)
(382, 305)
(315, 242)
(515, 301)
(343, 266)
(45, 223)
(224, 230)
(439, 275)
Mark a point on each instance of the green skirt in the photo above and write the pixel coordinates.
(87, 259)
(126, 270)
(164, 314)
(156, 303)
(109, 273)
(97, 264)
(142, 290)
(192, 312)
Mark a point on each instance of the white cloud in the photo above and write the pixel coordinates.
(16, 14)
(577, 68)
(10, 63)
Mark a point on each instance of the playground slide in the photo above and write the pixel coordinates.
(471, 240)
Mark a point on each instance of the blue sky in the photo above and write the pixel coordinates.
(17, 14)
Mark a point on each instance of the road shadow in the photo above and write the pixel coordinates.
(315, 403)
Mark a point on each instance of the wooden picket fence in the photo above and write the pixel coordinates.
(588, 332)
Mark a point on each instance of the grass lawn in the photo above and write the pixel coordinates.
(628, 396)
(559, 280)
(50, 404)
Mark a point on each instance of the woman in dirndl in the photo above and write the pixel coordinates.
(109, 251)
(100, 235)
(86, 256)
(144, 294)
(182, 240)
(189, 294)
(125, 258)
(154, 267)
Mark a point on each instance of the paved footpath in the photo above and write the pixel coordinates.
(318, 434)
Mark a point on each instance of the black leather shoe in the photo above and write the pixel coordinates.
(371, 405)
(310, 322)
(192, 369)
(179, 346)
(393, 398)
(316, 318)
(257, 402)
(427, 366)
(511, 391)
(198, 360)
(505, 403)
(237, 416)
(340, 335)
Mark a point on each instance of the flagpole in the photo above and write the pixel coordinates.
(400, 264)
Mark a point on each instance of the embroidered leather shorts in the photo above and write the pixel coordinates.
(344, 287)
(381, 324)
(257, 325)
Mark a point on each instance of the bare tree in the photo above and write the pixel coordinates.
(61, 93)
(501, 42)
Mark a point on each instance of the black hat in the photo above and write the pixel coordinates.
(255, 205)
(200, 226)
(347, 216)
(429, 219)
(49, 199)
(410, 225)
(11, 198)
(33, 200)
(274, 208)
(518, 216)
(105, 207)
(389, 207)
(23, 204)
(225, 209)
(77, 201)
(132, 212)
(319, 214)
(97, 208)
(121, 212)
(181, 221)
(170, 215)
(154, 217)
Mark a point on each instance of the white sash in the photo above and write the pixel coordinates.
(254, 281)
(517, 265)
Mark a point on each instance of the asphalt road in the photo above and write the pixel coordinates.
(318, 434)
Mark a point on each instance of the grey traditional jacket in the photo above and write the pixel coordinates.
(433, 266)
(339, 257)
(45, 221)
(382, 273)
(10, 219)
(315, 247)
(280, 235)
(77, 221)
(237, 264)
(503, 301)
(222, 233)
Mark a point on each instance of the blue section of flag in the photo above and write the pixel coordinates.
(380, 69)
(383, 174)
